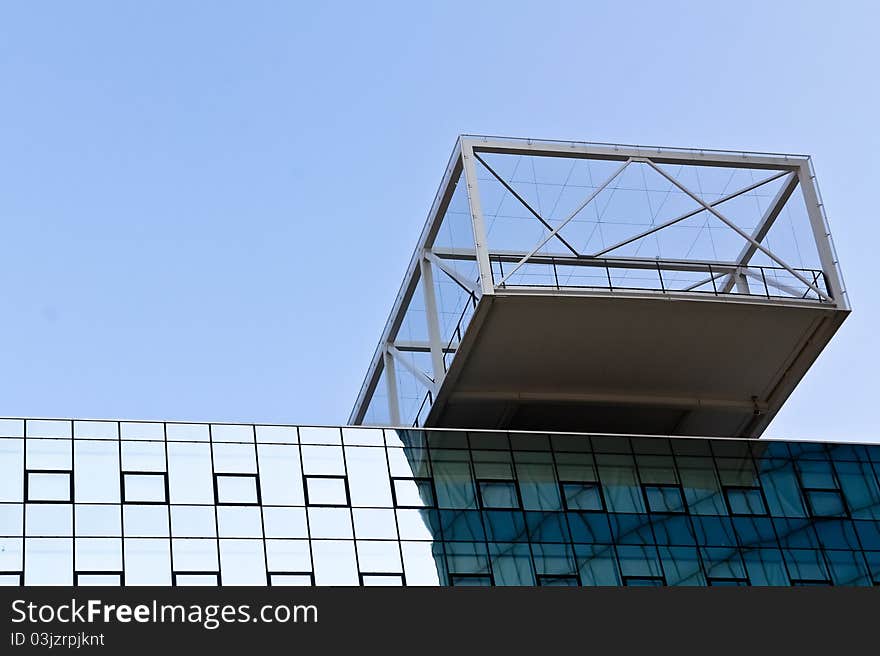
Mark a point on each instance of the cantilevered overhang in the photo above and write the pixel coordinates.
(673, 366)
(603, 288)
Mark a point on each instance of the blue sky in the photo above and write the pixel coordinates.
(207, 207)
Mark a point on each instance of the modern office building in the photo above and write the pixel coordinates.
(588, 343)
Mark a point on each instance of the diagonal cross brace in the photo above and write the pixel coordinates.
(424, 378)
(764, 225)
(524, 203)
(688, 215)
(742, 233)
(467, 285)
(553, 232)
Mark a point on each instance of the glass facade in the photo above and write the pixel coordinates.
(143, 503)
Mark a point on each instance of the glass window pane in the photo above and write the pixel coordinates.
(147, 561)
(826, 503)
(745, 501)
(511, 564)
(327, 491)
(537, 482)
(379, 556)
(193, 521)
(285, 522)
(49, 561)
(48, 519)
(96, 521)
(781, 489)
(190, 478)
(290, 556)
(290, 580)
(422, 562)
(242, 562)
(11, 520)
(239, 522)
(98, 554)
(104, 430)
(368, 479)
(281, 480)
(498, 494)
(190, 580)
(233, 489)
(98, 579)
(145, 521)
(232, 433)
(323, 460)
(582, 496)
(453, 482)
(335, 563)
(234, 458)
(375, 523)
(143, 457)
(664, 499)
(144, 488)
(187, 432)
(11, 470)
(414, 493)
(49, 454)
(96, 471)
(142, 430)
(48, 428)
(330, 523)
(622, 491)
(48, 486)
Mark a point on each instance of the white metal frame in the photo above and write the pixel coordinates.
(461, 169)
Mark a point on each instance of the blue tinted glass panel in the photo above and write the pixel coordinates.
(826, 503)
(582, 496)
(664, 499)
(745, 501)
(498, 494)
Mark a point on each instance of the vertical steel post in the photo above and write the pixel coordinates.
(391, 387)
(433, 318)
(822, 236)
(481, 240)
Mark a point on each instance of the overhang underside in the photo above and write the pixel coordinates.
(630, 365)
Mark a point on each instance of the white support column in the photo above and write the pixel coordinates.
(481, 240)
(742, 283)
(822, 236)
(433, 319)
(391, 387)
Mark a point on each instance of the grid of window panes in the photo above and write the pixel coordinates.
(143, 503)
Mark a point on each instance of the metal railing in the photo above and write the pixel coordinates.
(457, 333)
(664, 276)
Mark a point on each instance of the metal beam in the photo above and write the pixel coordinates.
(621, 152)
(593, 397)
(764, 225)
(409, 346)
(588, 261)
(822, 236)
(589, 199)
(432, 317)
(468, 285)
(742, 233)
(391, 388)
(481, 238)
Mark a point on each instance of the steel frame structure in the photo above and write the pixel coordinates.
(729, 279)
